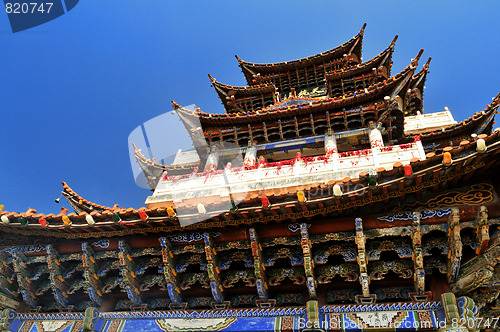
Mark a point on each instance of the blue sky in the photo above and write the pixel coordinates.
(72, 90)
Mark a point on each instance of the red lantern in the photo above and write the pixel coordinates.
(265, 201)
(408, 170)
(43, 222)
(143, 215)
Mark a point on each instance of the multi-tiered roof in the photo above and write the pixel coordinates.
(347, 193)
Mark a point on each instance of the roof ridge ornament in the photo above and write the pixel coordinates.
(362, 31)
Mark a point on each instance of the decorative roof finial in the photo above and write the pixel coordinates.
(362, 32)
(394, 41)
(175, 105)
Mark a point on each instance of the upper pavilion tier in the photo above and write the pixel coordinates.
(323, 84)
(298, 117)
(283, 74)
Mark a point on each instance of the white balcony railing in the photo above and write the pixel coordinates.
(274, 177)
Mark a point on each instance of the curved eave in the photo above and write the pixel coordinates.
(354, 46)
(226, 92)
(132, 223)
(382, 59)
(418, 80)
(375, 93)
(241, 91)
(152, 169)
(480, 123)
(79, 203)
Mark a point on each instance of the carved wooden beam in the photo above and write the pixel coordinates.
(7, 277)
(308, 261)
(57, 281)
(477, 272)
(128, 273)
(213, 269)
(25, 285)
(259, 268)
(94, 286)
(170, 273)
(482, 230)
(455, 244)
(362, 260)
(418, 256)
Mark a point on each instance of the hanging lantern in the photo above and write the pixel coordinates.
(90, 220)
(43, 222)
(337, 190)
(171, 211)
(23, 221)
(265, 201)
(5, 220)
(300, 196)
(143, 215)
(408, 170)
(201, 209)
(372, 180)
(116, 218)
(233, 206)
(447, 161)
(66, 220)
(481, 146)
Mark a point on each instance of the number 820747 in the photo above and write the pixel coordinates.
(28, 7)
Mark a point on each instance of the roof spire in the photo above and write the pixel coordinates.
(394, 41)
(415, 61)
(426, 66)
(362, 32)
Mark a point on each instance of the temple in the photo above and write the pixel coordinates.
(323, 198)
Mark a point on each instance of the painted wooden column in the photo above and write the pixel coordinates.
(417, 255)
(482, 230)
(128, 274)
(455, 244)
(213, 269)
(59, 285)
(170, 273)
(308, 262)
(94, 285)
(28, 290)
(364, 280)
(259, 268)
